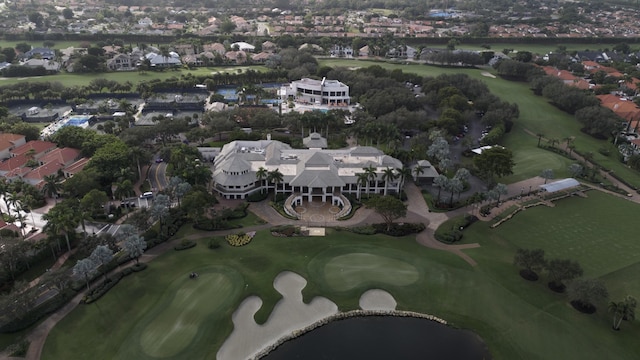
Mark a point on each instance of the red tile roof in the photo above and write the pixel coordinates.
(627, 110)
(12, 163)
(62, 156)
(77, 166)
(9, 140)
(38, 146)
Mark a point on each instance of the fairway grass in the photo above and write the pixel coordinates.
(156, 312)
(171, 328)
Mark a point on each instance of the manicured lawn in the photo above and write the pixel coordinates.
(70, 79)
(516, 318)
(536, 115)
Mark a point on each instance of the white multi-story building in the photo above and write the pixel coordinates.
(307, 174)
(317, 92)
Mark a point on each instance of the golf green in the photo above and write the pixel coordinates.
(348, 271)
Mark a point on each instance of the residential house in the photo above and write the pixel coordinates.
(269, 46)
(624, 108)
(322, 92)
(243, 46)
(261, 57)
(215, 48)
(185, 49)
(364, 51)
(158, 60)
(8, 142)
(34, 149)
(341, 51)
(238, 57)
(121, 62)
(75, 167)
(41, 53)
(49, 65)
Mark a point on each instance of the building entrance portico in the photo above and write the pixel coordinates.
(316, 211)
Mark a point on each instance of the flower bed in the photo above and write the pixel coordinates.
(240, 239)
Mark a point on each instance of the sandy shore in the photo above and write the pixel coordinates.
(289, 315)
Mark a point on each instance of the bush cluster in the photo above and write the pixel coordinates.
(285, 230)
(399, 229)
(451, 231)
(257, 196)
(238, 239)
(184, 245)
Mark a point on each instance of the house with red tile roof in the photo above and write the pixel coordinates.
(12, 163)
(36, 147)
(75, 167)
(62, 156)
(9, 142)
(36, 176)
(625, 109)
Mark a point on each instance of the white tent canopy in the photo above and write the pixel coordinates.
(560, 185)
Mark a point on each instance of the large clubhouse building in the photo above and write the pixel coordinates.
(314, 174)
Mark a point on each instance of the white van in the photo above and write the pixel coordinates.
(146, 195)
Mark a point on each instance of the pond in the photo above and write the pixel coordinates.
(383, 337)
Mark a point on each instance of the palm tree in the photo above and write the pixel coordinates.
(440, 182)
(554, 142)
(622, 310)
(261, 174)
(51, 187)
(371, 175)
(404, 172)
(362, 180)
(417, 171)
(61, 219)
(388, 175)
(540, 136)
(275, 177)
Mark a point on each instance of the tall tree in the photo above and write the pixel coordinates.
(388, 175)
(261, 175)
(587, 293)
(496, 161)
(101, 256)
(561, 270)
(85, 269)
(160, 209)
(51, 187)
(388, 207)
(531, 261)
(135, 246)
(275, 177)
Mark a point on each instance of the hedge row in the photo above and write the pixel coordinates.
(36, 314)
(108, 284)
(396, 229)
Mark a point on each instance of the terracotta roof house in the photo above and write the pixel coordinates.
(215, 48)
(12, 163)
(36, 147)
(261, 57)
(75, 168)
(268, 46)
(625, 109)
(63, 156)
(8, 142)
(36, 176)
(239, 57)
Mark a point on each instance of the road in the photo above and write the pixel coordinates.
(157, 176)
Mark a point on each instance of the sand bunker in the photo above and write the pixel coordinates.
(289, 315)
(487, 74)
